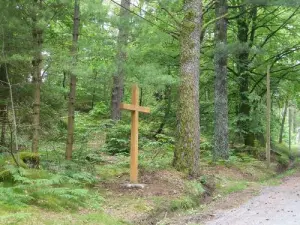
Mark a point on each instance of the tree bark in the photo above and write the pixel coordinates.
(294, 119)
(283, 121)
(3, 104)
(167, 110)
(221, 100)
(290, 126)
(37, 34)
(3, 119)
(246, 41)
(118, 79)
(94, 90)
(72, 93)
(187, 151)
(268, 117)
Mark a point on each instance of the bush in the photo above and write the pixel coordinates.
(118, 137)
(283, 161)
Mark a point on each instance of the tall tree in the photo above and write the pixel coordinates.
(37, 35)
(71, 103)
(118, 78)
(246, 29)
(3, 106)
(221, 99)
(187, 151)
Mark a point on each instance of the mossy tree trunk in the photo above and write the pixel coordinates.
(187, 151)
(72, 93)
(245, 36)
(37, 35)
(221, 99)
(118, 78)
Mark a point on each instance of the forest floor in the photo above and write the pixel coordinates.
(169, 197)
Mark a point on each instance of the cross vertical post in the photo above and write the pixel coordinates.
(135, 109)
(134, 136)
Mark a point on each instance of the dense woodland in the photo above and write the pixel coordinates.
(201, 66)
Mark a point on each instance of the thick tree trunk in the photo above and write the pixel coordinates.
(37, 34)
(221, 100)
(283, 121)
(187, 151)
(72, 93)
(118, 79)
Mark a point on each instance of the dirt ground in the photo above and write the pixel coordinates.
(135, 204)
(150, 205)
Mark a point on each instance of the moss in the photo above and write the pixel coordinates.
(31, 159)
(5, 175)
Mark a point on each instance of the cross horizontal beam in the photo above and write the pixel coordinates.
(135, 108)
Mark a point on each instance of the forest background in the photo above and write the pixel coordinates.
(65, 67)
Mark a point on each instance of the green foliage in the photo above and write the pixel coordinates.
(283, 161)
(183, 203)
(45, 196)
(100, 110)
(195, 190)
(31, 159)
(40, 188)
(118, 137)
(234, 186)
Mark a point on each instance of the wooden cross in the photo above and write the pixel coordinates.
(135, 109)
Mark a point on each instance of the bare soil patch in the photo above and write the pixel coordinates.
(132, 204)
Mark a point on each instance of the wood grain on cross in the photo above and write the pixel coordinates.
(135, 108)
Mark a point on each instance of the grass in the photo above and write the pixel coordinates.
(183, 203)
(234, 186)
(36, 216)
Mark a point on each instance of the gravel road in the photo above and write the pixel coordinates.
(278, 205)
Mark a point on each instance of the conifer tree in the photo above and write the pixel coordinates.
(187, 151)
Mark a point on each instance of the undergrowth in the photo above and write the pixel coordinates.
(68, 189)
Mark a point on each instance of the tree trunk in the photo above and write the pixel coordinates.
(221, 100)
(242, 69)
(290, 127)
(118, 79)
(167, 110)
(187, 151)
(3, 119)
(37, 34)
(283, 121)
(268, 117)
(94, 90)
(295, 119)
(3, 104)
(72, 93)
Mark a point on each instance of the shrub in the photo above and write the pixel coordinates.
(118, 137)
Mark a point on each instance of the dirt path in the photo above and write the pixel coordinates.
(278, 205)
